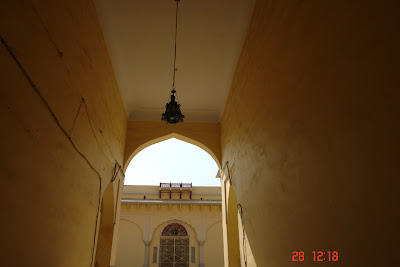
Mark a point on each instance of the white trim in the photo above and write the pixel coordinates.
(144, 228)
(151, 231)
(204, 228)
(170, 201)
(134, 215)
(198, 227)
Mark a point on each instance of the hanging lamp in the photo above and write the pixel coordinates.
(173, 112)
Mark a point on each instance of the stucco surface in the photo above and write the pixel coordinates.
(106, 228)
(50, 193)
(311, 124)
(213, 247)
(232, 227)
(130, 248)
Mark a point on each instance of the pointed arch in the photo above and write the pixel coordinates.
(211, 226)
(188, 226)
(126, 220)
(169, 136)
(180, 228)
(141, 134)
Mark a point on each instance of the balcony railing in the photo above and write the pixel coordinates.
(175, 188)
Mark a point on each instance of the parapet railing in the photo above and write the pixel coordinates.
(175, 188)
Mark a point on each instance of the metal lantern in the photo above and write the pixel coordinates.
(172, 111)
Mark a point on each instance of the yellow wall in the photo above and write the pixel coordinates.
(213, 247)
(311, 124)
(234, 251)
(106, 227)
(51, 194)
(232, 227)
(144, 222)
(130, 248)
(246, 254)
(224, 206)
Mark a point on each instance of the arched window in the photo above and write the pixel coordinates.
(174, 246)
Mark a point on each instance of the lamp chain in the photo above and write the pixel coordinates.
(176, 34)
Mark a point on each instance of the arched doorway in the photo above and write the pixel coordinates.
(172, 161)
(134, 149)
(174, 246)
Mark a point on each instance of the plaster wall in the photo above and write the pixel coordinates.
(213, 247)
(106, 227)
(233, 252)
(55, 164)
(232, 227)
(311, 124)
(141, 134)
(224, 205)
(246, 255)
(130, 248)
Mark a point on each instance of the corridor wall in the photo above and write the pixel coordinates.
(57, 153)
(311, 126)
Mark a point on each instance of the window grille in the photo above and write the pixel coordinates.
(193, 254)
(155, 254)
(174, 229)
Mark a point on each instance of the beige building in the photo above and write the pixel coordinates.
(181, 230)
(297, 101)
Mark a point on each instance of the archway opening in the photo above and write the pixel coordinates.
(172, 161)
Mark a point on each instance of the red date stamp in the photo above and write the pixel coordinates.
(316, 255)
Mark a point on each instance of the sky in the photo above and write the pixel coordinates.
(172, 161)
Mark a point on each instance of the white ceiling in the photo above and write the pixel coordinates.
(140, 39)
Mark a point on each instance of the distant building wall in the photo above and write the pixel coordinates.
(141, 223)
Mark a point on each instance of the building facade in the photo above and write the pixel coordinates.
(174, 226)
